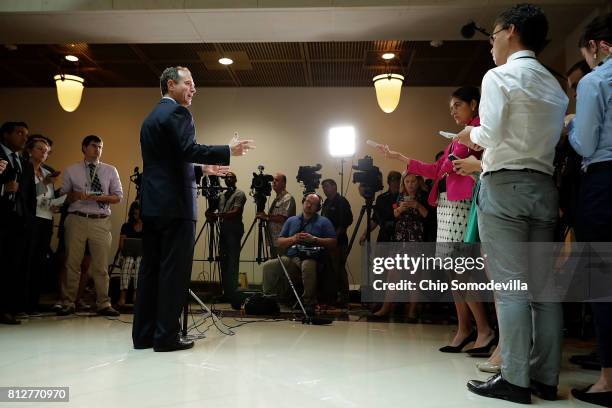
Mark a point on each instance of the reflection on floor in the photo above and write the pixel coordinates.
(265, 364)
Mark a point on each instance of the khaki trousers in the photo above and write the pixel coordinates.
(96, 233)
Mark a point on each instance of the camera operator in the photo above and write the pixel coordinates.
(337, 209)
(383, 210)
(282, 207)
(306, 236)
(231, 206)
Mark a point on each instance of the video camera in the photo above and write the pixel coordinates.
(310, 179)
(368, 176)
(261, 187)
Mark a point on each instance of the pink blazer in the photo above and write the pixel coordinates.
(457, 187)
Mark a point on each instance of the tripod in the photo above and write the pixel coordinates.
(263, 239)
(213, 246)
(365, 209)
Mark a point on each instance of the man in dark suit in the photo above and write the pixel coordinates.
(169, 211)
(17, 209)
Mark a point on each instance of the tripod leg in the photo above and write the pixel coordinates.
(247, 234)
(356, 229)
(292, 286)
(185, 315)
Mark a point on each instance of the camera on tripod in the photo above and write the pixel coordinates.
(310, 179)
(261, 187)
(368, 176)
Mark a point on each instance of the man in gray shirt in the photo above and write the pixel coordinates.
(231, 206)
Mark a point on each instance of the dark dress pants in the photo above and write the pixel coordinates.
(14, 233)
(594, 224)
(163, 280)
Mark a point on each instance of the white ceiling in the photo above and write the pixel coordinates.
(270, 25)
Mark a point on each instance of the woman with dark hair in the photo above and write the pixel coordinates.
(590, 134)
(451, 193)
(129, 264)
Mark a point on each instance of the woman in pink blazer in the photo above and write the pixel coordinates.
(451, 195)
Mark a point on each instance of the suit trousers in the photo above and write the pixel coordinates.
(163, 279)
(515, 208)
(13, 246)
(95, 232)
(594, 224)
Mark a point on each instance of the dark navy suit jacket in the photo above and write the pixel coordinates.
(169, 149)
(26, 193)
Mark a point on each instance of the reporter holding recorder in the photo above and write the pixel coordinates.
(451, 194)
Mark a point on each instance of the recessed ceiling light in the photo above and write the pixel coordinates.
(388, 55)
(225, 61)
(72, 58)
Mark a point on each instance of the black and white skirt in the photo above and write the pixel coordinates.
(452, 219)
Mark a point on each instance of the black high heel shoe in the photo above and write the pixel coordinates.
(603, 399)
(484, 351)
(457, 349)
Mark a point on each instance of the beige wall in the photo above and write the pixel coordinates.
(289, 125)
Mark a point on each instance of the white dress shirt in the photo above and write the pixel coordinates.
(521, 115)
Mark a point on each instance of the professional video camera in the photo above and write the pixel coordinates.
(261, 187)
(368, 176)
(211, 189)
(308, 176)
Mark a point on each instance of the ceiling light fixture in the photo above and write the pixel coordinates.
(69, 91)
(225, 61)
(388, 87)
(72, 58)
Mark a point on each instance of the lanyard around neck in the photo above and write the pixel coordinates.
(91, 177)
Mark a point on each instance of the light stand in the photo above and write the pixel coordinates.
(342, 145)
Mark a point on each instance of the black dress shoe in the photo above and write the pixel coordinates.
(8, 318)
(603, 399)
(587, 361)
(177, 345)
(65, 311)
(497, 387)
(143, 346)
(109, 311)
(579, 359)
(457, 349)
(544, 391)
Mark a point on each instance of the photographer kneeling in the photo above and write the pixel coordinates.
(306, 236)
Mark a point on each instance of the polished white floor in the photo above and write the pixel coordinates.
(265, 364)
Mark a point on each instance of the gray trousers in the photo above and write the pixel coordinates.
(515, 208)
(275, 281)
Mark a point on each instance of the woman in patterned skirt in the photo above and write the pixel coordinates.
(129, 264)
(451, 195)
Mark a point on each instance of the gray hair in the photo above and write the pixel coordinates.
(170, 73)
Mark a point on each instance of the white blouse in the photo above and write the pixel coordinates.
(44, 195)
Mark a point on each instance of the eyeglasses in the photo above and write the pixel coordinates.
(492, 36)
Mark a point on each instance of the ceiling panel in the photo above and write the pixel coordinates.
(312, 64)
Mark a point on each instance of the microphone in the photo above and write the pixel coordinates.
(48, 168)
(468, 30)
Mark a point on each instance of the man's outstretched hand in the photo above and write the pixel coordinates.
(241, 147)
(215, 170)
